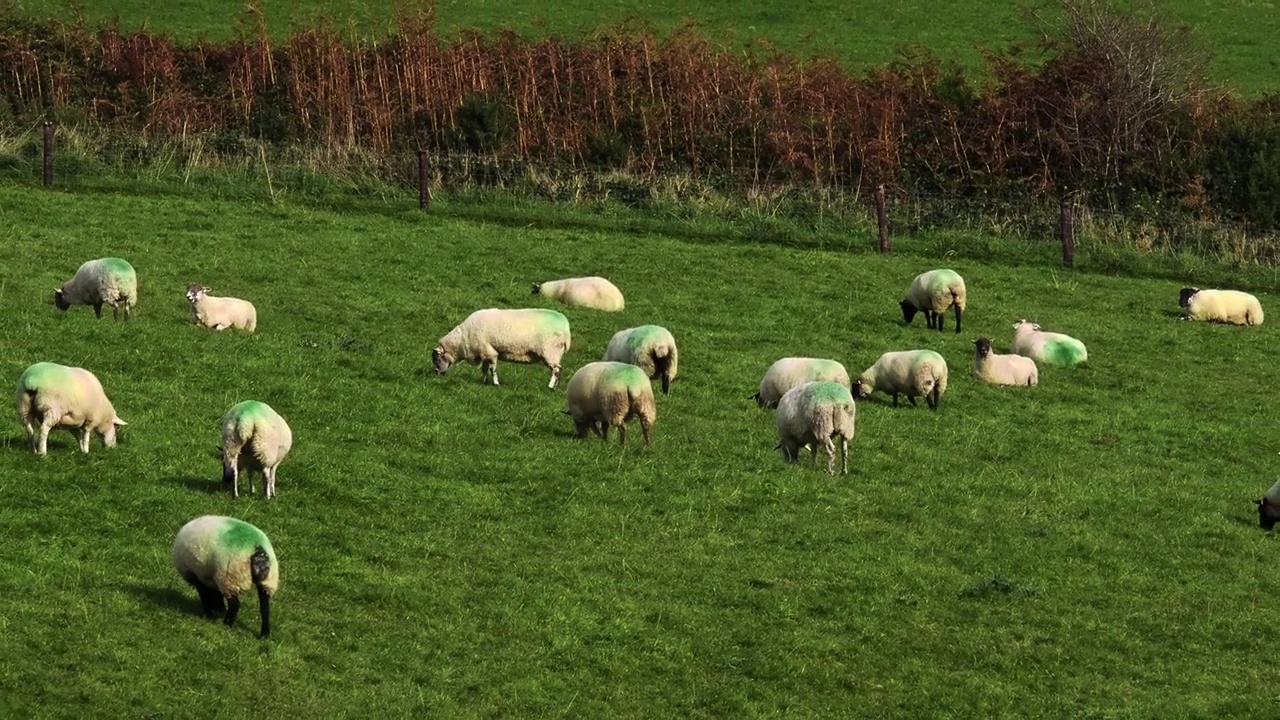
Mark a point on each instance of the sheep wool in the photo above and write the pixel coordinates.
(650, 347)
(790, 372)
(609, 394)
(1222, 306)
(596, 293)
(51, 395)
(105, 281)
(1047, 347)
(523, 336)
(996, 369)
(222, 557)
(1269, 507)
(254, 438)
(220, 313)
(933, 292)
(906, 372)
(813, 414)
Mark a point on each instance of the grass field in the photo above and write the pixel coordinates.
(1084, 548)
(1240, 32)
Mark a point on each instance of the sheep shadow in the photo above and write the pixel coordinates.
(167, 597)
(57, 442)
(212, 486)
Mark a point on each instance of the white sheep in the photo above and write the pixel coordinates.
(1047, 347)
(906, 372)
(933, 292)
(812, 414)
(254, 438)
(609, 394)
(1223, 306)
(651, 347)
(996, 369)
(51, 395)
(110, 281)
(220, 313)
(522, 336)
(589, 292)
(790, 372)
(1269, 507)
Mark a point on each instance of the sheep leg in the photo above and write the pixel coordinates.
(493, 370)
(85, 432)
(97, 309)
(270, 482)
(231, 471)
(599, 428)
(580, 429)
(555, 376)
(941, 316)
(912, 398)
(42, 443)
(831, 455)
(844, 455)
(928, 318)
(233, 608)
(895, 399)
(211, 602)
(958, 311)
(31, 433)
(646, 426)
(622, 434)
(933, 398)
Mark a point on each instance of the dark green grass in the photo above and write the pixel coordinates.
(1084, 548)
(863, 34)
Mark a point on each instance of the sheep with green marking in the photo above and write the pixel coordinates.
(254, 439)
(50, 395)
(105, 281)
(650, 347)
(523, 336)
(609, 394)
(907, 372)
(222, 557)
(1043, 346)
(790, 372)
(933, 292)
(1222, 306)
(813, 414)
(596, 293)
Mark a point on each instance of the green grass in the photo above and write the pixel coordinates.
(863, 34)
(1084, 548)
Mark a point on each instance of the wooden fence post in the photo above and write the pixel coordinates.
(424, 190)
(47, 174)
(1067, 231)
(882, 217)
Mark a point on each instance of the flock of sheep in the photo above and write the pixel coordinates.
(814, 398)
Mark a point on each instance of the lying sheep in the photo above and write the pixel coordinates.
(589, 292)
(1223, 306)
(51, 395)
(1269, 507)
(220, 313)
(933, 292)
(254, 438)
(1002, 369)
(812, 414)
(610, 394)
(1047, 347)
(522, 336)
(109, 281)
(906, 372)
(790, 372)
(651, 347)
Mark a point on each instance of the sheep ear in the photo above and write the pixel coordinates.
(117, 421)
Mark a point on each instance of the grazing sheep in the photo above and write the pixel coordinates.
(589, 292)
(934, 292)
(1002, 369)
(790, 372)
(220, 313)
(109, 281)
(222, 557)
(1222, 306)
(907, 372)
(651, 347)
(51, 395)
(522, 336)
(1047, 347)
(812, 414)
(610, 394)
(1269, 507)
(254, 437)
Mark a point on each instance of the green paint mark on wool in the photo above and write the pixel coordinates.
(117, 265)
(942, 279)
(1063, 353)
(251, 409)
(622, 375)
(829, 392)
(44, 374)
(641, 336)
(238, 535)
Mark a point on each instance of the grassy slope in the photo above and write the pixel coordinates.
(448, 547)
(863, 33)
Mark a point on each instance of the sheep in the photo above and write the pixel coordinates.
(907, 372)
(254, 437)
(934, 292)
(1002, 369)
(109, 281)
(222, 557)
(589, 292)
(1047, 347)
(610, 394)
(792, 371)
(812, 414)
(521, 336)
(1223, 306)
(651, 347)
(1269, 507)
(220, 313)
(51, 395)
